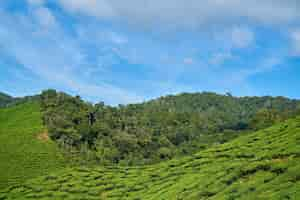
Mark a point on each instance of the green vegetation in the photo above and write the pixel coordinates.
(223, 159)
(25, 149)
(262, 165)
(158, 130)
(5, 99)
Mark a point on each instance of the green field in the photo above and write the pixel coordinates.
(262, 165)
(25, 150)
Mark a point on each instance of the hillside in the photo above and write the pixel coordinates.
(157, 130)
(262, 165)
(5, 99)
(25, 149)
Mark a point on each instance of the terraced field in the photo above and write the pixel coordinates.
(25, 150)
(262, 165)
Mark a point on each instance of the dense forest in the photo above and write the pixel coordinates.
(156, 130)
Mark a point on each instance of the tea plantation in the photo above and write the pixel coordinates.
(25, 150)
(262, 165)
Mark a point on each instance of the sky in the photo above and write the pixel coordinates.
(131, 51)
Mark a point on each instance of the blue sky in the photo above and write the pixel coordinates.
(130, 51)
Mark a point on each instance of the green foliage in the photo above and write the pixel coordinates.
(261, 165)
(264, 118)
(5, 100)
(25, 151)
(65, 116)
(156, 130)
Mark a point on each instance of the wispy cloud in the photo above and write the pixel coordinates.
(265, 65)
(99, 8)
(54, 56)
(295, 40)
(219, 58)
(188, 13)
(102, 58)
(188, 61)
(35, 2)
(242, 37)
(44, 17)
(231, 39)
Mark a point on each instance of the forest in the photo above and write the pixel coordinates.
(156, 130)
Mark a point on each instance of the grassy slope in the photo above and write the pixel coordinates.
(5, 99)
(262, 165)
(22, 154)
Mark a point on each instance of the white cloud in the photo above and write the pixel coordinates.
(36, 2)
(193, 13)
(236, 37)
(117, 38)
(188, 61)
(220, 58)
(265, 65)
(295, 38)
(44, 17)
(82, 62)
(242, 37)
(41, 13)
(98, 8)
(56, 58)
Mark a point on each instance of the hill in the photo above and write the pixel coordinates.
(157, 130)
(25, 149)
(262, 165)
(5, 99)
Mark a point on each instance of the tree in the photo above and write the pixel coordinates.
(159, 129)
(165, 153)
(264, 118)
